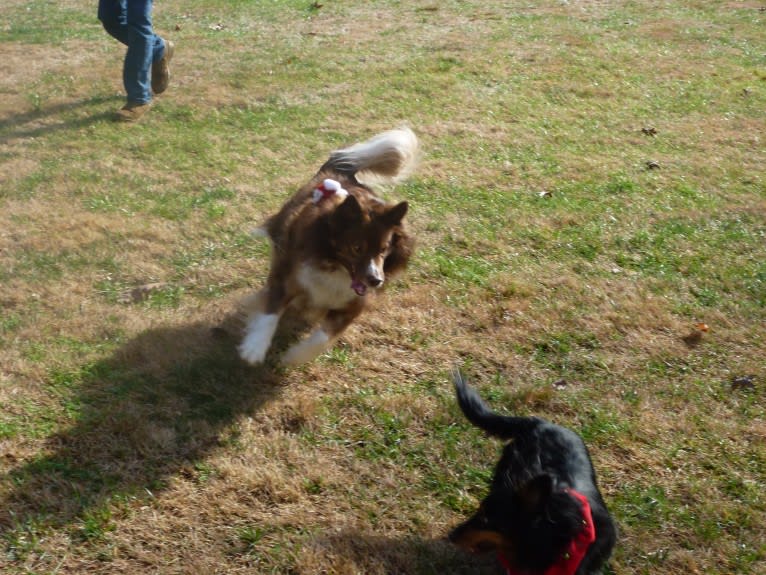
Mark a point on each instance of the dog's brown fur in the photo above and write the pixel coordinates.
(330, 255)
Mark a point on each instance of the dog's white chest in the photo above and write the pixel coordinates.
(326, 289)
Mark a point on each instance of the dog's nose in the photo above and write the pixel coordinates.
(374, 281)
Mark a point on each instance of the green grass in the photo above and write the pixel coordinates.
(552, 263)
(61, 23)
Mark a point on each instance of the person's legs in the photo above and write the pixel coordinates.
(111, 13)
(130, 22)
(144, 46)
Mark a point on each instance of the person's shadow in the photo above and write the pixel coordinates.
(158, 404)
(49, 118)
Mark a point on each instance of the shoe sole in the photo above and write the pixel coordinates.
(163, 81)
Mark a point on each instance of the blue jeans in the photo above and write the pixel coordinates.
(130, 22)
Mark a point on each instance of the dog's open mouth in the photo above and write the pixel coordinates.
(359, 287)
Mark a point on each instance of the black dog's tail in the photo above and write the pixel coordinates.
(477, 412)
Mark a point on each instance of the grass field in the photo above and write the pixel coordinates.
(592, 188)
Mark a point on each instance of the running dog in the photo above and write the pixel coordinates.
(334, 243)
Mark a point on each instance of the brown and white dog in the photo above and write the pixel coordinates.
(333, 244)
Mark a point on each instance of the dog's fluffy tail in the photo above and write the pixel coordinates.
(389, 157)
(477, 412)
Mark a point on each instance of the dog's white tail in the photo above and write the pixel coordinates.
(390, 156)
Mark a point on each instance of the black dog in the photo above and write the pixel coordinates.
(544, 514)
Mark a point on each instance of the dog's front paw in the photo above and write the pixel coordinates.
(252, 351)
(306, 350)
(260, 330)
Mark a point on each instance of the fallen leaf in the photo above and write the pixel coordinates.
(140, 293)
(743, 382)
(560, 384)
(693, 338)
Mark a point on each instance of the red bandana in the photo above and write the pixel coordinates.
(570, 560)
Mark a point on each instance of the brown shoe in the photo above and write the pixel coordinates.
(132, 111)
(161, 69)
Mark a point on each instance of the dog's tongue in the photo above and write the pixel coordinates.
(358, 287)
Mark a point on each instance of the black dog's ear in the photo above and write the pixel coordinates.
(534, 494)
(395, 215)
(475, 536)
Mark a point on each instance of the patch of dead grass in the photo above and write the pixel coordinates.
(142, 445)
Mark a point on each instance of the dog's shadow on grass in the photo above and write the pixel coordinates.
(367, 553)
(155, 407)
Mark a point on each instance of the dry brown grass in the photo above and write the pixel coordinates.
(132, 440)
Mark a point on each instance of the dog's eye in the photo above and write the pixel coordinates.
(355, 250)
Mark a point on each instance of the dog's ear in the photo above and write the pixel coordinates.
(475, 536)
(395, 215)
(401, 250)
(535, 493)
(349, 210)
(478, 540)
